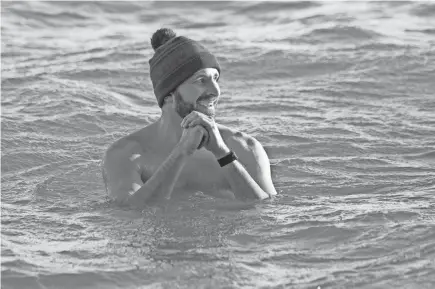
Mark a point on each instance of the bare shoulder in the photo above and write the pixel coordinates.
(120, 172)
(132, 144)
(252, 155)
(238, 140)
(121, 147)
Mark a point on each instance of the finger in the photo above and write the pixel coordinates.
(195, 115)
(187, 119)
(193, 123)
(199, 121)
(183, 121)
(187, 123)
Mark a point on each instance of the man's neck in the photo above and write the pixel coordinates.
(169, 129)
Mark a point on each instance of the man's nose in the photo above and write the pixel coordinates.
(213, 88)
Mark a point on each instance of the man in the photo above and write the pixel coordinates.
(185, 150)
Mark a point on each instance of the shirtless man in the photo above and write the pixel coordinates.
(185, 150)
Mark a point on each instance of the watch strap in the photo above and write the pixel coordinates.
(229, 158)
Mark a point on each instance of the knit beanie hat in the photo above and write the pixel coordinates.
(175, 60)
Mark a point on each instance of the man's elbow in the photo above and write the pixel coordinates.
(263, 195)
(266, 184)
(121, 194)
(129, 199)
(269, 196)
(272, 192)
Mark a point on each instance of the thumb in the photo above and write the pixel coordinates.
(204, 136)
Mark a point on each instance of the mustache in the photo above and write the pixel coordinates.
(206, 97)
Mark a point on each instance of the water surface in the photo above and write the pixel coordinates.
(341, 94)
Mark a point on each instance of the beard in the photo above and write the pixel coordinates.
(183, 108)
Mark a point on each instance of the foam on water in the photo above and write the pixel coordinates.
(341, 94)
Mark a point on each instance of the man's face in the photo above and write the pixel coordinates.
(200, 93)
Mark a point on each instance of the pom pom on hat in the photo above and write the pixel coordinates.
(161, 36)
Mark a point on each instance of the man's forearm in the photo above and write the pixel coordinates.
(164, 179)
(241, 182)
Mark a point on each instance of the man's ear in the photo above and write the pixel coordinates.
(169, 98)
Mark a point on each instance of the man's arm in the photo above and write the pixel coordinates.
(250, 176)
(163, 180)
(250, 179)
(123, 175)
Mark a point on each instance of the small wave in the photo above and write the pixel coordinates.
(116, 36)
(11, 54)
(64, 16)
(58, 57)
(291, 138)
(262, 107)
(360, 122)
(424, 10)
(90, 74)
(152, 18)
(189, 5)
(332, 131)
(372, 47)
(123, 7)
(115, 56)
(424, 156)
(277, 6)
(204, 25)
(401, 216)
(286, 67)
(344, 33)
(14, 279)
(369, 218)
(16, 81)
(369, 162)
(380, 47)
(393, 3)
(322, 18)
(424, 31)
(326, 233)
(275, 53)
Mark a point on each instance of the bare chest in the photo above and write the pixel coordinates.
(201, 172)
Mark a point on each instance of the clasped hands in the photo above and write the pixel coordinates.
(200, 130)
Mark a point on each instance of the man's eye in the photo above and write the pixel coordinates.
(201, 80)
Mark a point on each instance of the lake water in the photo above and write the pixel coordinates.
(341, 95)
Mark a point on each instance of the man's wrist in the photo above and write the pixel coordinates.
(180, 151)
(221, 152)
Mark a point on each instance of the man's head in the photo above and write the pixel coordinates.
(185, 73)
(199, 92)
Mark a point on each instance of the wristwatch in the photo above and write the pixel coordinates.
(229, 158)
